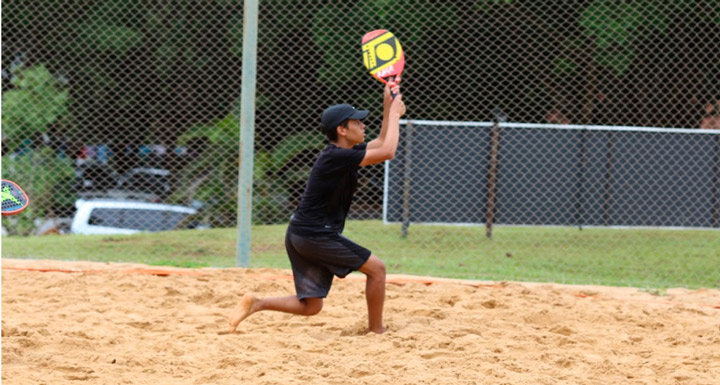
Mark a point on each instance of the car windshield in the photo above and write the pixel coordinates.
(137, 219)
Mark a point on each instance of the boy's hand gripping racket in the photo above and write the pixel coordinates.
(383, 56)
(14, 199)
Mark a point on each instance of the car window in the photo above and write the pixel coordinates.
(151, 220)
(106, 217)
(136, 219)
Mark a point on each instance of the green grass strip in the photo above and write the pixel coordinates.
(651, 259)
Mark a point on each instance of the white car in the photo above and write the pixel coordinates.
(129, 217)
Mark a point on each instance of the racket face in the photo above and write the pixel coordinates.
(383, 55)
(14, 199)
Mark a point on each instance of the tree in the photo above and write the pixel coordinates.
(211, 176)
(36, 102)
(139, 71)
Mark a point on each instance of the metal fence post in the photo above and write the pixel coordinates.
(492, 178)
(499, 117)
(407, 180)
(247, 131)
(580, 185)
(715, 194)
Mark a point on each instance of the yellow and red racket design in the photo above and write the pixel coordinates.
(383, 55)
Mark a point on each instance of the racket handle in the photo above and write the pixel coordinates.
(391, 79)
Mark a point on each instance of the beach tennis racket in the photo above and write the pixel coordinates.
(14, 199)
(383, 55)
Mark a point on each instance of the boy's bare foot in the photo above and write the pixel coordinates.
(380, 330)
(242, 311)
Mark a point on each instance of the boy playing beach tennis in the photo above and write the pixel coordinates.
(314, 243)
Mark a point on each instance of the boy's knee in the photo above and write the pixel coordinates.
(313, 306)
(375, 266)
(315, 309)
(381, 267)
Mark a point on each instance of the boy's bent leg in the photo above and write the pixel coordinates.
(250, 304)
(374, 269)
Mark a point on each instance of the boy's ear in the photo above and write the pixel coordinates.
(341, 130)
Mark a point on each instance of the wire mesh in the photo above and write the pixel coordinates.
(133, 99)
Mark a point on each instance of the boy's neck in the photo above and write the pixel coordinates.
(343, 143)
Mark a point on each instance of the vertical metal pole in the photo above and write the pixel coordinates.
(715, 194)
(492, 179)
(247, 131)
(607, 202)
(580, 186)
(407, 179)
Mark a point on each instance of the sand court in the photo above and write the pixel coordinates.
(99, 323)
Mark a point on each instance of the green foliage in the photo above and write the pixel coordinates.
(127, 60)
(38, 172)
(563, 64)
(235, 35)
(110, 26)
(615, 26)
(212, 177)
(215, 182)
(278, 19)
(276, 173)
(294, 144)
(37, 101)
(340, 46)
(103, 37)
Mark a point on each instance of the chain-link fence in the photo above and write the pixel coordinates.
(560, 175)
(138, 100)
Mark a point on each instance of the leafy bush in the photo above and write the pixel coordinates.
(38, 173)
(35, 102)
(213, 176)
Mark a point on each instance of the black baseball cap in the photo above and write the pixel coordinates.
(335, 114)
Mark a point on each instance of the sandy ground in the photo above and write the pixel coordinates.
(114, 324)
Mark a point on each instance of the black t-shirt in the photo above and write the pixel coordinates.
(329, 191)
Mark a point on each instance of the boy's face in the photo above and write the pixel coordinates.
(355, 131)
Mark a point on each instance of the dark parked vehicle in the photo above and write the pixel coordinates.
(96, 177)
(147, 184)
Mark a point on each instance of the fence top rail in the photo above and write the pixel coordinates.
(562, 127)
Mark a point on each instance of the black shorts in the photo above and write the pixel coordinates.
(315, 260)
